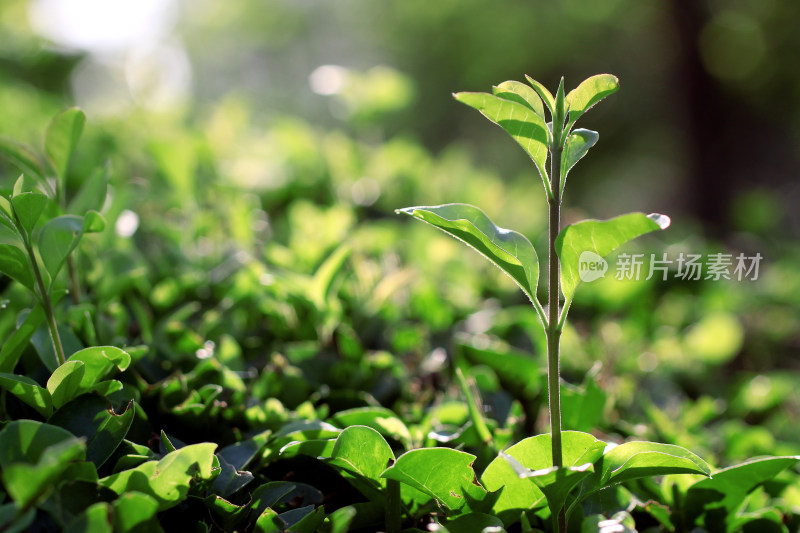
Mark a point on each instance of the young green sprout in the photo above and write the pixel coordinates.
(543, 125)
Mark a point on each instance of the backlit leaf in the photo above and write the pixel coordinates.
(28, 207)
(575, 147)
(588, 93)
(62, 138)
(441, 473)
(518, 120)
(65, 382)
(61, 235)
(29, 392)
(14, 264)
(534, 453)
(510, 251)
(592, 240)
(521, 93)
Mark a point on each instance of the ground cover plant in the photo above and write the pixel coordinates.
(179, 369)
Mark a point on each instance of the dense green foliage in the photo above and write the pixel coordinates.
(212, 320)
(261, 360)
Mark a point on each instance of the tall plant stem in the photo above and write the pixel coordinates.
(47, 305)
(553, 322)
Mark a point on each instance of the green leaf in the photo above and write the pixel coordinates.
(133, 510)
(724, 492)
(270, 495)
(599, 238)
(510, 251)
(15, 344)
(575, 147)
(441, 473)
(362, 451)
(65, 382)
(520, 121)
(29, 392)
(14, 264)
(169, 479)
(520, 93)
(229, 479)
(534, 453)
(22, 156)
(62, 138)
(588, 93)
(542, 91)
(92, 193)
(554, 482)
(61, 235)
(241, 453)
(33, 456)
(638, 459)
(100, 362)
(26, 440)
(28, 207)
(92, 417)
(339, 521)
(7, 216)
(304, 519)
(269, 522)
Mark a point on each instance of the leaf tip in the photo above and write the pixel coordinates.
(663, 221)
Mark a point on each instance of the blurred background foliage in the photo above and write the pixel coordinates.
(248, 140)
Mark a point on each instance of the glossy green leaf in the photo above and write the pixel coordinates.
(520, 93)
(724, 492)
(62, 138)
(363, 451)
(169, 479)
(133, 510)
(14, 263)
(22, 156)
(534, 453)
(28, 207)
(340, 520)
(92, 417)
(542, 91)
(26, 440)
(595, 239)
(65, 382)
(241, 453)
(26, 482)
(270, 495)
(304, 519)
(575, 147)
(510, 251)
(588, 93)
(14, 345)
(100, 362)
(638, 459)
(520, 121)
(29, 392)
(7, 216)
(269, 522)
(441, 473)
(230, 479)
(61, 235)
